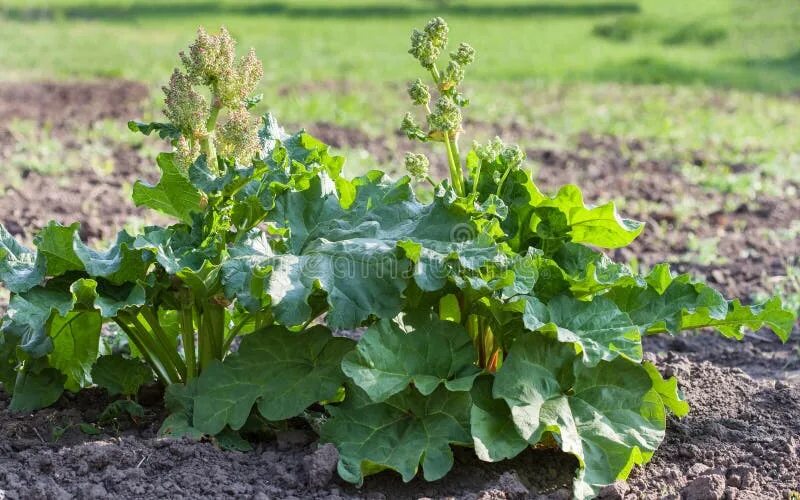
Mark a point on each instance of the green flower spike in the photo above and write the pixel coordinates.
(184, 107)
(446, 116)
(417, 165)
(465, 54)
(419, 93)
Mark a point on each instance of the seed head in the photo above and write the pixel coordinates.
(419, 93)
(210, 56)
(238, 137)
(446, 116)
(513, 156)
(239, 84)
(212, 61)
(184, 107)
(417, 165)
(465, 54)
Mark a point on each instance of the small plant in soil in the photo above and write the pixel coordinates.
(491, 317)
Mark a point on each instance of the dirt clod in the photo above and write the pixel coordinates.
(705, 488)
(321, 465)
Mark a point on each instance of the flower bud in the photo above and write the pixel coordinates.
(417, 165)
(184, 107)
(419, 93)
(409, 127)
(437, 31)
(490, 151)
(465, 54)
(452, 76)
(446, 116)
(238, 137)
(513, 156)
(423, 49)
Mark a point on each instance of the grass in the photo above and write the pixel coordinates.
(715, 42)
(564, 66)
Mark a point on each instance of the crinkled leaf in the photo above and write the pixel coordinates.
(120, 375)
(54, 243)
(352, 254)
(599, 226)
(589, 272)
(108, 299)
(20, 268)
(674, 303)
(280, 371)
(667, 389)
(172, 246)
(770, 314)
(165, 130)
(399, 433)
(387, 359)
(608, 416)
(598, 326)
(28, 314)
(493, 433)
(118, 264)
(76, 341)
(173, 195)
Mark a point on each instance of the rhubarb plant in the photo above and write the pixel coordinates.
(488, 317)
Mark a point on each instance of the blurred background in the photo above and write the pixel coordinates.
(686, 113)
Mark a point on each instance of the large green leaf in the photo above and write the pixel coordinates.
(598, 226)
(76, 341)
(589, 272)
(28, 315)
(173, 195)
(398, 433)
(609, 416)
(118, 264)
(387, 359)
(106, 298)
(119, 375)
(598, 326)
(37, 386)
(667, 303)
(671, 396)
(173, 246)
(179, 402)
(54, 243)
(354, 254)
(281, 372)
(20, 268)
(493, 435)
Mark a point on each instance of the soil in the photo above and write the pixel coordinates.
(100, 201)
(741, 439)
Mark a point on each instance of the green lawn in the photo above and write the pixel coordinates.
(566, 66)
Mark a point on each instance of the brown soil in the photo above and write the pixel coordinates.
(99, 201)
(741, 440)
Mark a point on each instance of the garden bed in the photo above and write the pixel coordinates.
(741, 439)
